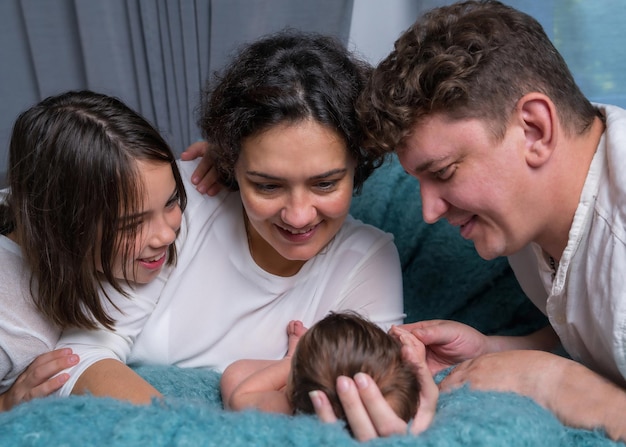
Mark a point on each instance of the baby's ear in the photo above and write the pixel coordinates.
(540, 122)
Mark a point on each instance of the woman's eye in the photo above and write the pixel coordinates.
(326, 185)
(266, 187)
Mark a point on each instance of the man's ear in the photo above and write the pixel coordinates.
(540, 123)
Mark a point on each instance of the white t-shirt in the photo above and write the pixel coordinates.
(24, 332)
(217, 305)
(586, 301)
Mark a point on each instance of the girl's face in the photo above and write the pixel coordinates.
(157, 225)
(296, 183)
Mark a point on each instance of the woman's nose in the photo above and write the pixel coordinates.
(299, 211)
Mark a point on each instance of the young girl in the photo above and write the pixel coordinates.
(278, 244)
(93, 209)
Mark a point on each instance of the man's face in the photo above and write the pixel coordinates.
(473, 181)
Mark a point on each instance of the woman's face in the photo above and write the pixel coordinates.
(157, 226)
(296, 183)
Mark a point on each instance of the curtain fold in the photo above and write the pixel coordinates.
(238, 21)
(156, 54)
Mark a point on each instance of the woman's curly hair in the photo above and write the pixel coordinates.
(287, 77)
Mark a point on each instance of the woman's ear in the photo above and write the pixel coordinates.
(540, 122)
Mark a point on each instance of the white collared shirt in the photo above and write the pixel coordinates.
(586, 301)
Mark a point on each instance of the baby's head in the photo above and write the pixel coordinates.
(343, 344)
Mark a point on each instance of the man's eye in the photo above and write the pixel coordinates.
(444, 173)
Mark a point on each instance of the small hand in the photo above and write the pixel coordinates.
(414, 353)
(40, 378)
(205, 174)
(295, 330)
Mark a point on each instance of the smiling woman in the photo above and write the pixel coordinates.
(276, 244)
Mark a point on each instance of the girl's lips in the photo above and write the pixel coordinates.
(154, 263)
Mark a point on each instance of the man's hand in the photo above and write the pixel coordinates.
(447, 342)
(576, 395)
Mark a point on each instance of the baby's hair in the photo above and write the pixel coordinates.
(73, 177)
(343, 344)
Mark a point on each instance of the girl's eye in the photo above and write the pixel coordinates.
(132, 226)
(174, 201)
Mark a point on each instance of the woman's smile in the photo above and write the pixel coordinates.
(296, 183)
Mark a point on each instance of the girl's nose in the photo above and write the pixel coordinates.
(167, 227)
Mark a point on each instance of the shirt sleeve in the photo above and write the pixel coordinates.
(130, 315)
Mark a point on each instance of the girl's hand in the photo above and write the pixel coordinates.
(205, 175)
(40, 378)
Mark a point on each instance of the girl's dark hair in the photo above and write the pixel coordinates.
(73, 177)
(286, 77)
(343, 344)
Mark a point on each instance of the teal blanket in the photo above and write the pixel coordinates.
(192, 416)
(443, 278)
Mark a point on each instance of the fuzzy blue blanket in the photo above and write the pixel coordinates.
(191, 415)
(443, 278)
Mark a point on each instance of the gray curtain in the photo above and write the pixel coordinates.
(156, 54)
(153, 54)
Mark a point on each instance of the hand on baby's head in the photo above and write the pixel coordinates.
(344, 344)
